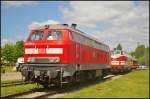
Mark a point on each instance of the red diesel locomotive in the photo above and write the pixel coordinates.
(121, 61)
(58, 53)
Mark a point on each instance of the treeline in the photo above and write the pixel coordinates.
(11, 52)
(141, 53)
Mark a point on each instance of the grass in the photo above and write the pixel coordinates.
(132, 85)
(16, 89)
(9, 81)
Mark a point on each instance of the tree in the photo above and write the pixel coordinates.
(119, 47)
(142, 60)
(19, 51)
(142, 54)
(8, 52)
(139, 51)
(146, 54)
(11, 52)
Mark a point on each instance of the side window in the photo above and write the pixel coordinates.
(70, 36)
(81, 39)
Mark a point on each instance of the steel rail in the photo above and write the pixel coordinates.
(14, 84)
(21, 93)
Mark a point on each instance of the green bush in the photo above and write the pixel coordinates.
(6, 69)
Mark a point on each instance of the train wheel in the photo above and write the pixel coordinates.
(105, 72)
(45, 85)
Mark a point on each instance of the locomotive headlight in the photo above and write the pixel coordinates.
(51, 60)
(54, 59)
(54, 50)
(31, 51)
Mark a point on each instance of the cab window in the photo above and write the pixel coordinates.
(54, 35)
(36, 36)
(117, 52)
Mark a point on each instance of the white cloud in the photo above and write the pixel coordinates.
(125, 23)
(34, 25)
(18, 3)
(89, 13)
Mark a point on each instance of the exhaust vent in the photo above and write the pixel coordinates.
(74, 25)
(46, 26)
(65, 24)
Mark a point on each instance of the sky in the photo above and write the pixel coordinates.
(112, 22)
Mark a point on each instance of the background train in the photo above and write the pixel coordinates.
(121, 61)
(58, 53)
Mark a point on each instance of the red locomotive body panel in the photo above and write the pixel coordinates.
(83, 54)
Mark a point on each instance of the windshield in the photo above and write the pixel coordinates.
(117, 52)
(54, 35)
(36, 36)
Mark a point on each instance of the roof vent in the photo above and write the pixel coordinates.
(65, 24)
(46, 26)
(74, 25)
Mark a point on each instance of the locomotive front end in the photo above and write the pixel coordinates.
(120, 61)
(45, 53)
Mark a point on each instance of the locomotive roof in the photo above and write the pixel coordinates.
(63, 26)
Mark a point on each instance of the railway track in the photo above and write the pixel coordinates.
(12, 82)
(35, 93)
(7, 84)
(44, 93)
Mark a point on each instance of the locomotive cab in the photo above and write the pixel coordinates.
(46, 46)
(45, 53)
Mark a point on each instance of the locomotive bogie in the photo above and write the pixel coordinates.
(58, 74)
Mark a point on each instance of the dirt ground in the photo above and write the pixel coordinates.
(11, 76)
